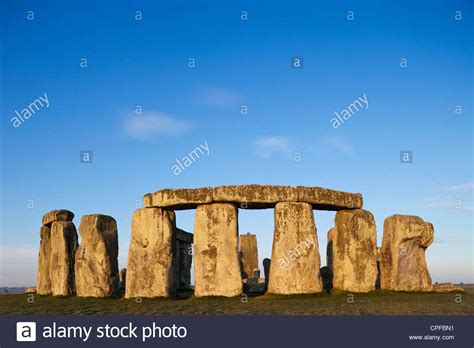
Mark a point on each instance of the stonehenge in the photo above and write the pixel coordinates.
(160, 254)
(216, 256)
(96, 265)
(151, 255)
(248, 255)
(58, 243)
(403, 266)
(295, 253)
(354, 249)
(184, 253)
(61, 262)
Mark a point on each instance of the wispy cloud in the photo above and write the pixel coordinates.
(266, 147)
(219, 97)
(150, 124)
(339, 144)
(456, 197)
(465, 187)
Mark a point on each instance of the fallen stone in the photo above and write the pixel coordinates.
(178, 198)
(57, 215)
(151, 268)
(216, 258)
(61, 258)
(96, 266)
(447, 287)
(403, 265)
(325, 199)
(295, 253)
(354, 251)
(30, 290)
(43, 280)
(248, 255)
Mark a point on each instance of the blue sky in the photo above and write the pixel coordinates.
(134, 64)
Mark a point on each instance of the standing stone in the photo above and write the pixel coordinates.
(295, 254)
(61, 259)
(96, 265)
(216, 258)
(248, 255)
(151, 256)
(327, 276)
(354, 251)
(43, 280)
(377, 282)
(403, 265)
(329, 249)
(123, 278)
(185, 259)
(266, 271)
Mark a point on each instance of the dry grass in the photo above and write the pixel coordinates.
(337, 303)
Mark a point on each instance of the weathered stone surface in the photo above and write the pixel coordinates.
(253, 197)
(266, 269)
(354, 251)
(248, 255)
(447, 287)
(96, 265)
(216, 259)
(123, 278)
(43, 280)
(151, 269)
(329, 249)
(61, 258)
(295, 254)
(403, 265)
(325, 199)
(57, 215)
(185, 259)
(184, 236)
(178, 198)
(30, 290)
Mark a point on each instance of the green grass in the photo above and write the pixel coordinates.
(338, 303)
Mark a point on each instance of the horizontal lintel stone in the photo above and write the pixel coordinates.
(253, 197)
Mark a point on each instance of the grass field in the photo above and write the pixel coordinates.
(337, 303)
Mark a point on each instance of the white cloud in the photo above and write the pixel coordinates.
(268, 146)
(339, 144)
(219, 97)
(147, 125)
